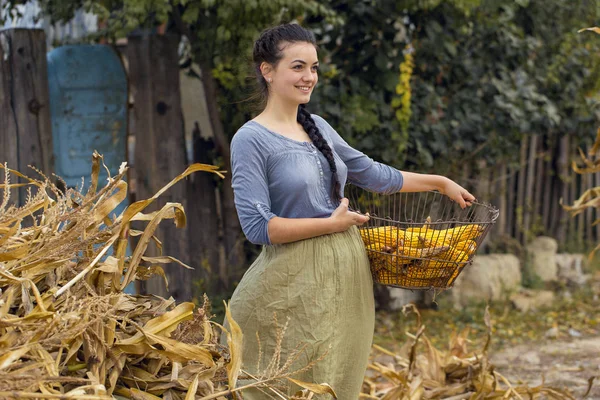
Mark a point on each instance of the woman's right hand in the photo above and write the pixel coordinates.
(342, 219)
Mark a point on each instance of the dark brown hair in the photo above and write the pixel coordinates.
(269, 48)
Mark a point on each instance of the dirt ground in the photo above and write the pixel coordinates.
(564, 362)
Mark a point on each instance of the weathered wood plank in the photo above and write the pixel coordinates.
(25, 128)
(160, 145)
(206, 241)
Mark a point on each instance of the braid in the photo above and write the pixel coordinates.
(268, 48)
(309, 125)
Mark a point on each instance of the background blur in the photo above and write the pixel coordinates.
(498, 95)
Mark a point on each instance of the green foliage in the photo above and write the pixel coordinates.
(485, 72)
(402, 103)
(365, 53)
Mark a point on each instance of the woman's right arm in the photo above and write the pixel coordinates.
(287, 230)
(253, 203)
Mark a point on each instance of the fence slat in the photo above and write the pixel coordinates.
(25, 128)
(160, 145)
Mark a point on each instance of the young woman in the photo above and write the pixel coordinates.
(289, 170)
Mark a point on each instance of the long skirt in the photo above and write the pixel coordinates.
(309, 301)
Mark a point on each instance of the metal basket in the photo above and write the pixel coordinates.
(420, 240)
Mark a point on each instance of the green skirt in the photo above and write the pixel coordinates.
(322, 289)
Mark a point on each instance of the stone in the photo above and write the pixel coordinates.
(542, 253)
(530, 357)
(400, 297)
(570, 268)
(488, 278)
(527, 299)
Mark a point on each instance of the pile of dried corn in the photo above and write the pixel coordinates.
(67, 329)
(420, 256)
(420, 371)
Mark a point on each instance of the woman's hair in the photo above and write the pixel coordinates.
(269, 48)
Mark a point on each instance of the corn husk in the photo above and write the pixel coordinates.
(68, 330)
(420, 371)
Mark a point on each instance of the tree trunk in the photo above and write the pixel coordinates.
(160, 148)
(25, 128)
(520, 231)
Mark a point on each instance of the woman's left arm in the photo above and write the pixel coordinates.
(381, 178)
(414, 182)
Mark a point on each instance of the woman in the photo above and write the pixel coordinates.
(289, 169)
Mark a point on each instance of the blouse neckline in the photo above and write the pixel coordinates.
(300, 142)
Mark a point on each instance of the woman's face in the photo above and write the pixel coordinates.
(295, 76)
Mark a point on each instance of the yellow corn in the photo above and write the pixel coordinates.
(454, 255)
(390, 236)
(387, 235)
(465, 232)
(413, 252)
(469, 246)
(377, 259)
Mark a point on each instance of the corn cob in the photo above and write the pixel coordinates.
(454, 255)
(421, 252)
(469, 246)
(387, 235)
(377, 259)
(390, 236)
(437, 264)
(391, 278)
(451, 235)
(432, 237)
(404, 256)
(410, 239)
(465, 232)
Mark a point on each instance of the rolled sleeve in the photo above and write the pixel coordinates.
(250, 187)
(363, 171)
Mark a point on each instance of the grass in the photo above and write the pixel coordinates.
(572, 309)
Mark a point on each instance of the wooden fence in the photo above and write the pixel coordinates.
(529, 193)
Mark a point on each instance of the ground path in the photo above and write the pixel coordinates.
(564, 362)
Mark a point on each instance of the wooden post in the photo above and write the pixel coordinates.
(502, 200)
(548, 188)
(510, 204)
(521, 209)
(561, 217)
(160, 147)
(589, 217)
(25, 128)
(596, 212)
(528, 206)
(540, 173)
(203, 220)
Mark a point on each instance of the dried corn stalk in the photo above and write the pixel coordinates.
(420, 371)
(67, 329)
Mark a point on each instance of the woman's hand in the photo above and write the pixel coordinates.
(457, 193)
(342, 219)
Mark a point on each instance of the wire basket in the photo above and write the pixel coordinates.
(420, 240)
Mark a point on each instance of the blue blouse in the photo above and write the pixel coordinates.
(274, 175)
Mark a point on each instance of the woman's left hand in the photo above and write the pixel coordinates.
(457, 193)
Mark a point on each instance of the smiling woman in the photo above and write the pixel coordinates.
(289, 168)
